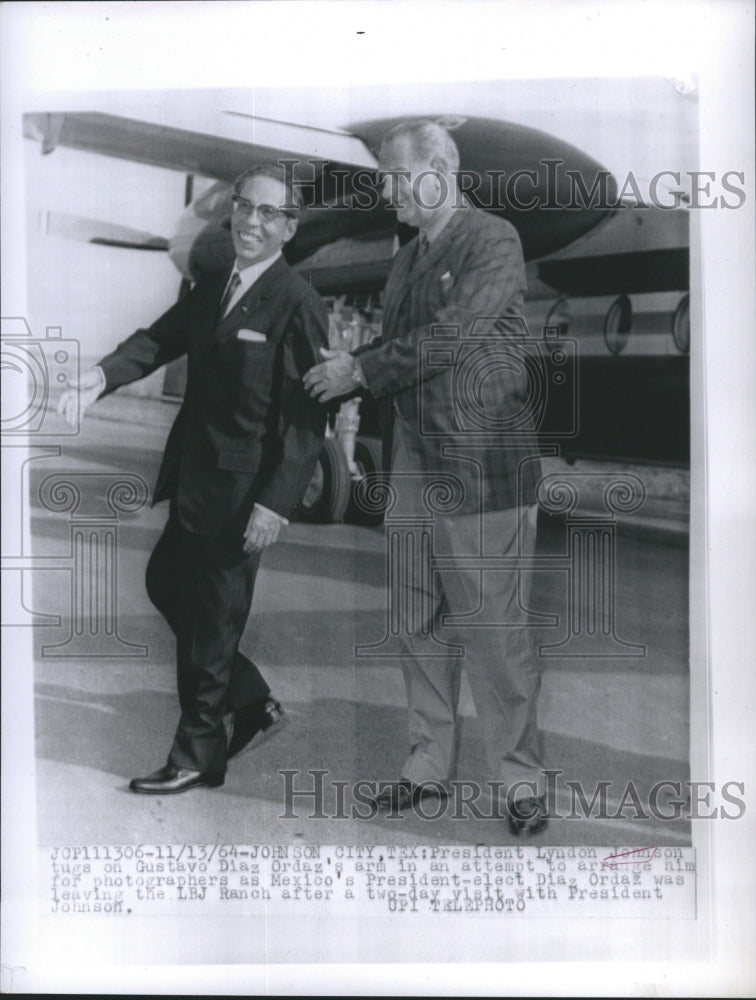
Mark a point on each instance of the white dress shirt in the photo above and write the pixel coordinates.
(247, 277)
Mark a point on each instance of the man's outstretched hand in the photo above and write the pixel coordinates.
(333, 377)
(81, 395)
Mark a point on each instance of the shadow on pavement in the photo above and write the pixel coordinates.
(129, 734)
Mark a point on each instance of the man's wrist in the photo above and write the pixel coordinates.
(274, 513)
(358, 375)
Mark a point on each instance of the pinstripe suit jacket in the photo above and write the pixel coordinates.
(453, 360)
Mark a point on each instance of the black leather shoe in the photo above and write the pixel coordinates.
(254, 724)
(403, 794)
(170, 780)
(527, 816)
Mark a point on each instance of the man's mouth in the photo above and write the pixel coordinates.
(247, 238)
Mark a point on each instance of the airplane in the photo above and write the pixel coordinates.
(605, 271)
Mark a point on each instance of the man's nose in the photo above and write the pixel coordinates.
(392, 187)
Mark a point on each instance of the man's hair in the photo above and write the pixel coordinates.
(428, 139)
(278, 172)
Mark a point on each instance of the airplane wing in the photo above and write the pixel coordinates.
(326, 163)
(223, 156)
(323, 162)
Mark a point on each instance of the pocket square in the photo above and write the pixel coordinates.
(444, 283)
(252, 335)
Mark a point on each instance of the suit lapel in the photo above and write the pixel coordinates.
(428, 261)
(401, 285)
(412, 268)
(250, 301)
(205, 316)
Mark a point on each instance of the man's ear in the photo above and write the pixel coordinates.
(290, 228)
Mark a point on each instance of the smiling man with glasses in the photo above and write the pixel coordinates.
(238, 459)
(260, 226)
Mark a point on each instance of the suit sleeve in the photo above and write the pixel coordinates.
(375, 342)
(149, 349)
(490, 279)
(302, 420)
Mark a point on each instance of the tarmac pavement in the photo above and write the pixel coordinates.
(321, 589)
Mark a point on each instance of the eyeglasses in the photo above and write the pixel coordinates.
(267, 213)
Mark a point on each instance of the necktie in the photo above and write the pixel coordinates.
(424, 244)
(230, 292)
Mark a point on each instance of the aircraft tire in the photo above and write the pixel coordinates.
(367, 458)
(327, 496)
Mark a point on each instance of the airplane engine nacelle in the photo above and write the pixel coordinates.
(651, 324)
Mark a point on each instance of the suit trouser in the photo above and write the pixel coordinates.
(203, 587)
(502, 669)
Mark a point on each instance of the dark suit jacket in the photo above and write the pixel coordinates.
(247, 431)
(456, 360)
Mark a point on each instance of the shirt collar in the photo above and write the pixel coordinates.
(448, 224)
(248, 275)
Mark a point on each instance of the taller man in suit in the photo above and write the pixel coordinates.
(237, 461)
(456, 411)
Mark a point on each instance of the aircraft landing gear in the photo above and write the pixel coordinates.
(346, 458)
(327, 496)
(367, 459)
